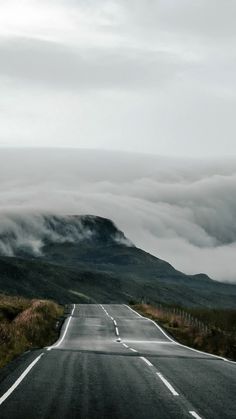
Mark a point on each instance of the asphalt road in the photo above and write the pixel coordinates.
(111, 363)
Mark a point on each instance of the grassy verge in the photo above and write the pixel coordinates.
(217, 337)
(26, 324)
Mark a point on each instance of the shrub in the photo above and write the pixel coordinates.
(26, 324)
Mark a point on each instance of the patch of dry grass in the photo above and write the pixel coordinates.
(26, 324)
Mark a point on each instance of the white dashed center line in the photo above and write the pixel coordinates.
(167, 384)
(117, 331)
(146, 361)
(115, 323)
(194, 414)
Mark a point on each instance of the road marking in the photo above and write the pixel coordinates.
(110, 317)
(194, 414)
(114, 321)
(73, 310)
(153, 342)
(164, 333)
(133, 310)
(146, 360)
(18, 381)
(205, 353)
(180, 344)
(168, 385)
(64, 334)
(155, 324)
(134, 350)
(124, 344)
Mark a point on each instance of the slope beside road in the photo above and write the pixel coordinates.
(112, 363)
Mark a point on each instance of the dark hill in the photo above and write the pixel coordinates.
(86, 258)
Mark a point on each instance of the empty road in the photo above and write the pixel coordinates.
(112, 363)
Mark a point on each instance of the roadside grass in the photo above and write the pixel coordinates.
(217, 337)
(26, 324)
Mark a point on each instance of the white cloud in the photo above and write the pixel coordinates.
(180, 210)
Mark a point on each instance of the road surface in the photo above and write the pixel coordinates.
(112, 363)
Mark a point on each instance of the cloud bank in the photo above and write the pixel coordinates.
(22, 234)
(180, 210)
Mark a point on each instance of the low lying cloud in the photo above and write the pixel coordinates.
(180, 210)
(29, 233)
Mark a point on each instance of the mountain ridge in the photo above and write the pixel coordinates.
(87, 258)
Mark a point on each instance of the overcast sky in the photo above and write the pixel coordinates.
(155, 77)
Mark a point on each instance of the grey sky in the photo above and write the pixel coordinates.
(156, 76)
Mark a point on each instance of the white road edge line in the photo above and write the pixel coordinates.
(133, 310)
(167, 384)
(164, 333)
(180, 344)
(117, 331)
(114, 322)
(64, 334)
(194, 414)
(146, 360)
(18, 381)
(73, 310)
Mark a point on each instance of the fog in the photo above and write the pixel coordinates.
(182, 211)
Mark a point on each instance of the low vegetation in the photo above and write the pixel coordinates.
(209, 330)
(26, 324)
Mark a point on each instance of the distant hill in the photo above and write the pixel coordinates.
(87, 259)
